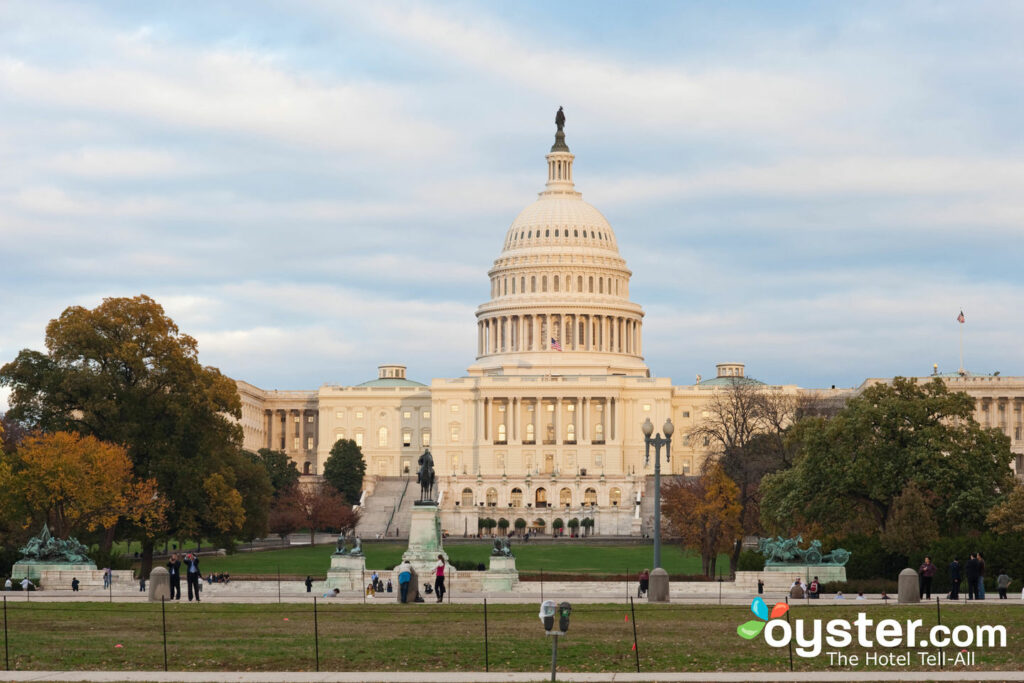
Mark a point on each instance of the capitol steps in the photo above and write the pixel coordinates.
(387, 508)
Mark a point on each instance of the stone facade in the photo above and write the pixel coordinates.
(546, 423)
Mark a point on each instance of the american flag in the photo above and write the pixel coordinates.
(555, 344)
(960, 318)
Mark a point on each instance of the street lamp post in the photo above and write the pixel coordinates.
(658, 591)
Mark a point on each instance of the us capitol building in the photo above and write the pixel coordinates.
(546, 424)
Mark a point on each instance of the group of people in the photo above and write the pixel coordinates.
(376, 585)
(404, 571)
(973, 571)
(193, 575)
(812, 590)
(26, 585)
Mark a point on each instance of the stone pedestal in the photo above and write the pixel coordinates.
(909, 587)
(347, 573)
(501, 575)
(424, 539)
(414, 588)
(159, 584)
(34, 570)
(826, 573)
(657, 590)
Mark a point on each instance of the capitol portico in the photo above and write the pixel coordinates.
(546, 423)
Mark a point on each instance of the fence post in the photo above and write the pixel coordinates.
(316, 634)
(278, 584)
(542, 584)
(487, 656)
(7, 654)
(790, 621)
(163, 619)
(636, 647)
(627, 583)
(938, 609)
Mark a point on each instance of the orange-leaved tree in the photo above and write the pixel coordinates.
(81, 484)
(316, 507)
(704, 513)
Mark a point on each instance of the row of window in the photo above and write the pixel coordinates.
(382, 438)
(604, 285)
(406, 415)
(576, 232)
(539, 498)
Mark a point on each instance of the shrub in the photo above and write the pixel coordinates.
(750, 561)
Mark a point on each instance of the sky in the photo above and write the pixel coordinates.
(312, 188)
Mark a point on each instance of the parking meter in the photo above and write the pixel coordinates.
(563, 616)
(547, 614)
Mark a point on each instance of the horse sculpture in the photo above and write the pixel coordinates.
(425, 476)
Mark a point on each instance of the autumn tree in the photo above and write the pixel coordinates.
(704, 513)
(316, 507)
(124, 373)
(281, 470)
(745, 429)
(850, 470)
(345, 468)
(1008, 516)
(80, 484)
(910, 526)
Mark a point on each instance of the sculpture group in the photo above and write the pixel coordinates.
(46, 548)
(788, 551)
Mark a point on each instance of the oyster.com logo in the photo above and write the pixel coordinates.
(753, 628)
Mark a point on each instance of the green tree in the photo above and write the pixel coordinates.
(574, 524)
(123, 373)
(503, 525)
(345, 468)
(911, 526)
(850, 470)
(281, 470)
(1008, 516)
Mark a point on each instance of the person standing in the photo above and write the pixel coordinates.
(74, 584)
(645, 582)
(954, 580)
(106, 578)
(927, 571)
(814, 590)
(174, 573)
(981, 577)
(7, 584)
(1002, 583)
(309, 584)
(404, 577)
(971, 571)
(439, 578)
(192, 575)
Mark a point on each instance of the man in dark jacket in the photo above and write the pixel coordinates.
(174, 572)
(954, 579)
(980, 592)
(972, 576)
(192, 575)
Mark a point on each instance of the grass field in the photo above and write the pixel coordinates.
(570, 557)
(429, 637)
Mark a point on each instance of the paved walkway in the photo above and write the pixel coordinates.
(510, 677)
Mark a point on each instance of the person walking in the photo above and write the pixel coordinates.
(1002, 583)
(927, 571)
(439, 578)
(192, 575)
(981, 577)
(645, 582)
(309, 584)
(404, 577)
(74, 584)
(971, 571)
(954, 580)
(174, 573)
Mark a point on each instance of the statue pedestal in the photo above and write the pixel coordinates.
(34, 569)
(826, 573)
(424, 539)
(501, 575)
(159, 584)
(347, 573)
(909, 587)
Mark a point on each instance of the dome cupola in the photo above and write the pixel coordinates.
(559, 289)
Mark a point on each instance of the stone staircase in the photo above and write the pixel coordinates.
(387, 509)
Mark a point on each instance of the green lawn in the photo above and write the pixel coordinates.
(431, 637)
(569, 557)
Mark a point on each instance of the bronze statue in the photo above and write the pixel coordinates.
(502, 548)
(46, 548)
(788, 551)
(425, 476)
(560, 119)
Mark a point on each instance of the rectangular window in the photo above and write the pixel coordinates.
(598, 459)
(426, 439)
(359, 414)
(686, 413)
(455, 461)
(309, 419)
(407, 414)
(340, 415)
(455, 407)
(309, 443)
(647, 407)
(295, 443)
(455, 433)
(571, 407)
(297, 419)
(339, 436)
(426, 414)
(359, 439)
(406, 438)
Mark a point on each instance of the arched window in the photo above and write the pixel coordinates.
(544, 283)
(575, 233)
(556, 232)
(547, 233)
(579, 283)
(615, 496)
(522, 284)
(492, 497)
(600, 285)
(382, 437)
(533, 283)
(555, 284)
(306, 467)
(565, 497)
(516, 498)
(529, 433)
(541, 498)
(590, 497)
(591, 284)
(467, 497)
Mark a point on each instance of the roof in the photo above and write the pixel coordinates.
(730, 381)
(391, 382)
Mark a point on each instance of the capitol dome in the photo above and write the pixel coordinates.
(559, 289)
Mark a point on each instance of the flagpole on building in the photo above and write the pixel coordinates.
(960, 319)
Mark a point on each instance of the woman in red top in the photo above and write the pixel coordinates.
(439, 578)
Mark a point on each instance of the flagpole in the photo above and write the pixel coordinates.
(961, 326)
